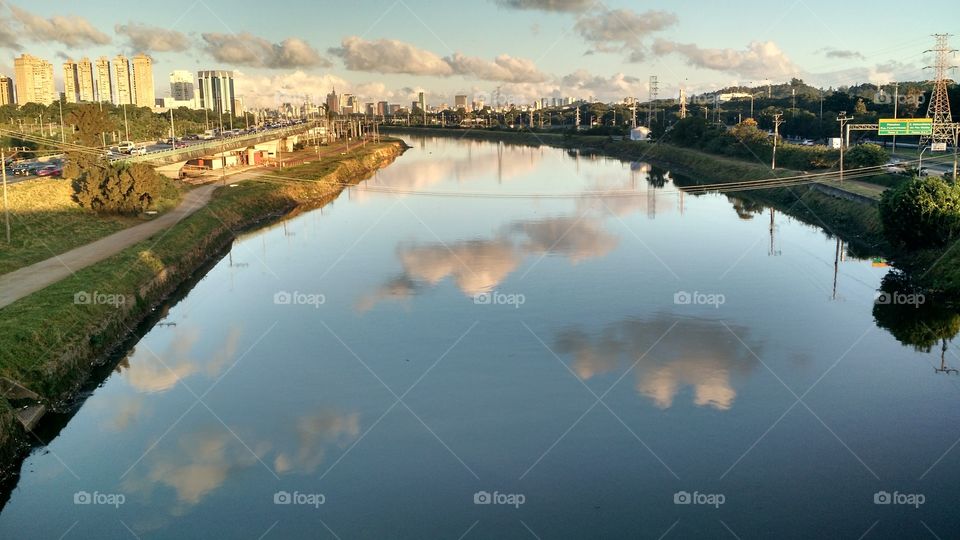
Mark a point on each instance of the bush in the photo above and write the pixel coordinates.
(866, 155)
(120, 189)
(923, 212)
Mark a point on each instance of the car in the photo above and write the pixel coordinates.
(191, 137)
(124, 147)
(138, 151)
(20, 168)
(50, 170)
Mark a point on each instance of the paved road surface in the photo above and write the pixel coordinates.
(19, 283)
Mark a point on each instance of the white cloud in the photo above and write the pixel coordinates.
(72, 31)
(145, 38)
(245, 49)
(393, 56)
(547, 5)
(389, 56)
(760, 60)
(623, 30)
(270, 91)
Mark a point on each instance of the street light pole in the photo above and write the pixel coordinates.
(843, 122)
(896, 102)
(6, 209)
(126, 129)
(777, 120)
(63, 139)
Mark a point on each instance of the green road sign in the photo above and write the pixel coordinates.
(906, 126)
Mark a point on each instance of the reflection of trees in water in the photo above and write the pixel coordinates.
(657, 177)
(921, 325)
(746, 208)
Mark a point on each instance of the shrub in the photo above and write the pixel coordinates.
(866, 155)
(923, 212)
(120, 189)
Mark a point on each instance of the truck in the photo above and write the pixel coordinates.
(834, 143)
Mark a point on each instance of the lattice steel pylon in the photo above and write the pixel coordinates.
(654, 93)
(939, 108)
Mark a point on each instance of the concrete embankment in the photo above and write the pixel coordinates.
(55, 364)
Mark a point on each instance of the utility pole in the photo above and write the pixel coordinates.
(777, 122)
(63, 136)
(896, 102)
(843, 119)
(126, 128)
(6, 209)
(173, 132)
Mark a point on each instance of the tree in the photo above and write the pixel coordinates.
(119, 189)
(924, 212)
(866, 155)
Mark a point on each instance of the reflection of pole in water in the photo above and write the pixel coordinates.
(680, 193)
(943, 361)
(773, 252)
(499, 162)
(836, 265)
(651, 203)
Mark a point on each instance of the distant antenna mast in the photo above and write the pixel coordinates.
(939, 109)
(654, 91)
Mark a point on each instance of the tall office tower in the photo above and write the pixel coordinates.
(333, 102)
(181, 85)
(85, 86)
(460, 102)
(144, 94)
(121, 80)
(70, 81)
(104, 86)
(34, 80)
(216, 91)
(6, 91)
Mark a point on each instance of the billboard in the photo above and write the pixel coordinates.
(906, 126)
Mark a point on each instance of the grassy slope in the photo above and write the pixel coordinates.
(45, 221)
(45, 338)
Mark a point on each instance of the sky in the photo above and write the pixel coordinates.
(512, 50)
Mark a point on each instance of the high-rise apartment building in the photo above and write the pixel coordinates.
(333, 102)
(85, 88)
(216, 91)
(71, 83)
(34, 80)
(6, 91)
(181, 85)
(104, 85)
(121, 80)
(144, 94)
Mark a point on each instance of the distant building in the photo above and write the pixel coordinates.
(71, 82)
(723, 98)
(102, 79)
(86, 89)
(6, 91)
(33, 80)
(216, 91)
(333, 102)
(383, 108)
(394, 108)
(460, 102)
(181, 85)
(238, 109)
(421, 101)
(121, 81)
(370, 109)
(144, 94)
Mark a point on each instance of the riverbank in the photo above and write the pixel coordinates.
(51, 341)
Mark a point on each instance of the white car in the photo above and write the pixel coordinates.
(138, 151)
(124, 147)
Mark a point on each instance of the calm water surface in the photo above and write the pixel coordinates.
(583, 364)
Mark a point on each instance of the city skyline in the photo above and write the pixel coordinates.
(393, 50)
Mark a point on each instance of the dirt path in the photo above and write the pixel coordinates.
(29, 279)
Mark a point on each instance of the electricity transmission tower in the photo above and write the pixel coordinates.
(683, 104)
(654, 91)
(939, 109)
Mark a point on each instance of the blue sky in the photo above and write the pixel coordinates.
(390, 49)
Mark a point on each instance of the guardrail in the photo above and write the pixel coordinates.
(214, 145)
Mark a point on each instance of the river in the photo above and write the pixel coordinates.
(496, 341)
